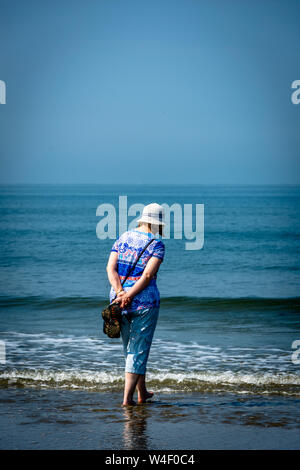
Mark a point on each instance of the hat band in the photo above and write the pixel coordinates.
(155, 216)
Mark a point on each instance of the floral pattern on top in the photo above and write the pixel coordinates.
(128, 246)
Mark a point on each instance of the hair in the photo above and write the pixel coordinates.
(160, 227)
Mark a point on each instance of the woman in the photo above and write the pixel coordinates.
(139, 297)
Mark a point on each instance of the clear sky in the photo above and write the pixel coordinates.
(166, 91)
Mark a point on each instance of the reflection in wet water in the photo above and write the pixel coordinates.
(66, 420)
(135, 427)
(241, 411)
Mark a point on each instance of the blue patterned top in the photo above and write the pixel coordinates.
(128, 246)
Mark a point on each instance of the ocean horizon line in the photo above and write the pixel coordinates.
(148, 184)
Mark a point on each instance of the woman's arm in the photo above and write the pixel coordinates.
(148, 274)
(112, 272)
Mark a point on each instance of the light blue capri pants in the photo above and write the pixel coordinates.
(137, 329)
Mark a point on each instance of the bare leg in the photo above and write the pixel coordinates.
(130, 384)
(143, 394)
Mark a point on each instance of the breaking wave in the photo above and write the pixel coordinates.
(203, 303)
(160, 381)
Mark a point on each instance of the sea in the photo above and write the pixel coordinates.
(229, 321)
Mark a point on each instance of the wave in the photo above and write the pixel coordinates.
(196, 303)
(158, 380)
(45, 303)
(235, 303)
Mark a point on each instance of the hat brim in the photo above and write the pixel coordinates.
(150, 220)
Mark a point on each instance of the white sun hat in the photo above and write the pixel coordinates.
(153, 214)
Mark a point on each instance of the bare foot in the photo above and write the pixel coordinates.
(129, 403)
(142, 399)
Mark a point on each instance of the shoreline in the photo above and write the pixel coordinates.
(64, 419)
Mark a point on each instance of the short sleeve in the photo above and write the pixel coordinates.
(159, 250)
(115, 246)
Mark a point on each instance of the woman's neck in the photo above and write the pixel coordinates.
(143, 228)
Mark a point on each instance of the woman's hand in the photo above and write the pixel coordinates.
(124, 299)
(119, 297)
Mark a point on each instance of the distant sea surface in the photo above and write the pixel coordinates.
(229, 312)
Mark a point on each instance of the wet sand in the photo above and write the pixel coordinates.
(64, 419)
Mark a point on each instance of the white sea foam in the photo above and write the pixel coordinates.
(203, 381)
(64, 352)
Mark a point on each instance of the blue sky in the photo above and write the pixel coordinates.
(161, 91)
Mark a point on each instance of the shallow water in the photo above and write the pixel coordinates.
(246, 350)
(61, 419)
